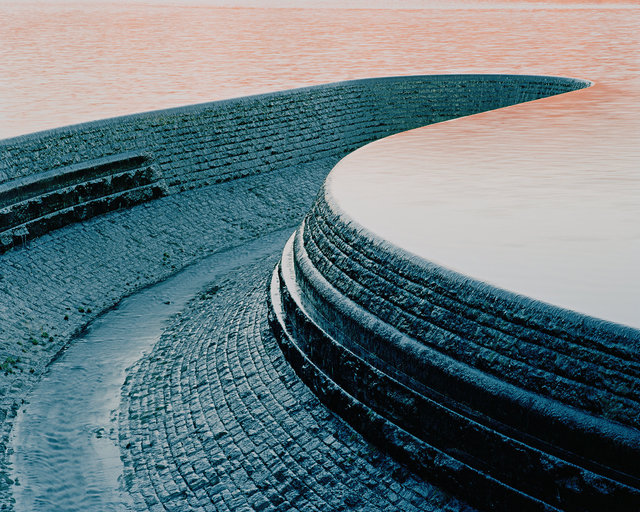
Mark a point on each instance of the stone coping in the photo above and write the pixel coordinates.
(201, 107)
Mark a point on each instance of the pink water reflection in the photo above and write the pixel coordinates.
(542, 198)
(66, 62)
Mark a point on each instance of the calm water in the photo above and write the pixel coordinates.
(542, 199)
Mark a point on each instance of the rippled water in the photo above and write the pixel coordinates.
(63, 62)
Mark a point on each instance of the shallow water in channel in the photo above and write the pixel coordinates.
(65, 450)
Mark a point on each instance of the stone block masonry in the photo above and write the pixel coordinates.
(213, 142)
(227, 172)
(512, 403)
(215, 417)
(38, 203)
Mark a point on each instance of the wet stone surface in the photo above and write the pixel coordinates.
(54, 286)
(215, 419)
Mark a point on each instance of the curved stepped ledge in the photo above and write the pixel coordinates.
(232, 170)
(512, 403)
(39, 203)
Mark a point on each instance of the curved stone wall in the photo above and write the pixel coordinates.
(195, 146)
(208, 143)
(53, 287)
(513, 403)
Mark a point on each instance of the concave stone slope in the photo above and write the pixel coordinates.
(256, 163)
(215, 419)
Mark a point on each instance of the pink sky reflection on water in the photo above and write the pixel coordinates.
(68, 62)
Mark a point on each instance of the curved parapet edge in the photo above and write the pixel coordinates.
(264, 151)
(226, 140)
(512, 403)
(216, 141)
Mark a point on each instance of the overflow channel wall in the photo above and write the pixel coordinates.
(90, 213)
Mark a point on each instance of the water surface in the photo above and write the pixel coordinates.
(67, 61)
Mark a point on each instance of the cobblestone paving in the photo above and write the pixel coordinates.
(215, 419)
(55, 285)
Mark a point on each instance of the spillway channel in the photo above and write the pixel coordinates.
(65, 451)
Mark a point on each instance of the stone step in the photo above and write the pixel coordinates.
(215, 419)
(39, 203)
(388, 343)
